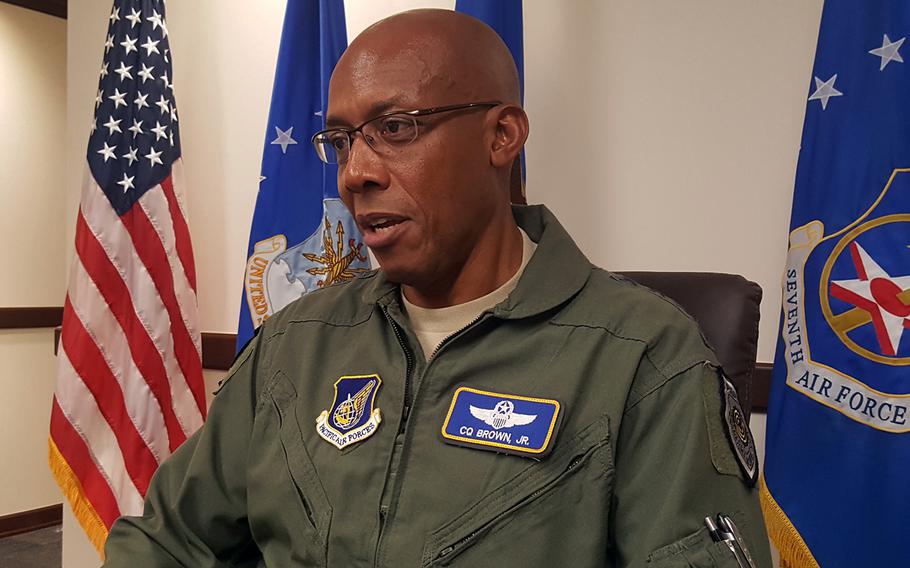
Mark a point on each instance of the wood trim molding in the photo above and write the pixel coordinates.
(21, 318)
(27, 521)
(218, 350)
(51, 7)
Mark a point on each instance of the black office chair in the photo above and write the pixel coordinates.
(726, 307)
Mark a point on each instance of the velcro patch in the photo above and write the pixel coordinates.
(502, 423)
(739, 433)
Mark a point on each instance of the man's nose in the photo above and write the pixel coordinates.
(364, 169)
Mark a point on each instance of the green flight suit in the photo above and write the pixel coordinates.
(640, 458)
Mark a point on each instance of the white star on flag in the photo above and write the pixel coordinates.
(115, 15)
(131, 155)
(136, 128)
(117, 97)
(146, 73)
(126, 182)
(109, 43)
(153, 157)
(112, 125)
(284, 139)
(824, 90)
(155, 18)
(162, 104)
(134, 18)
(888, 51)
(130, 44)
(150, 46)
(880, 295)
(124, 71)
(140, 100)
(159, 131)
(107, 151)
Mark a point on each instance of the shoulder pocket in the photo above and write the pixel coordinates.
(531, 484)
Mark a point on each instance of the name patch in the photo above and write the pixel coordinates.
(499, 422)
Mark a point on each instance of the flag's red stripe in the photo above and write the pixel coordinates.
(181, 232)
(151, 251)
(73, 449)
(145, 355)
(89, 364)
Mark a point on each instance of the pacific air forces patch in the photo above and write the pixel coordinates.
(739, 433)
(351, 418)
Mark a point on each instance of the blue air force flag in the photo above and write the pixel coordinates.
(302, 237)
(838, 442)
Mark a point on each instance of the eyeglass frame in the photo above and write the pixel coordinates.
(350, 132)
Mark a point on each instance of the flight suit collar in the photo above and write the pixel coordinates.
(557, 271)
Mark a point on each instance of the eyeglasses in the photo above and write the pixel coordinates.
(385, 134)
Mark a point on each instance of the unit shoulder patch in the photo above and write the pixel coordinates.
(738, 432)
(352, 417)
(503, 423)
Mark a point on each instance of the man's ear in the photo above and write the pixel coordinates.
(511, 132)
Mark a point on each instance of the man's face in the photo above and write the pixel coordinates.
(423, 208)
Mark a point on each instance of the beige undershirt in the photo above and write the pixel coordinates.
(434, 325)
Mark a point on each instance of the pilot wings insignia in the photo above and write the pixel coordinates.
(502, 415)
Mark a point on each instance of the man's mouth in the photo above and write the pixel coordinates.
(381, 230)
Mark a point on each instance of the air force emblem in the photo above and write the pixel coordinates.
(351, 417)
(503, 423)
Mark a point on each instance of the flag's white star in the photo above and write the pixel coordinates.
(99, 98)
(109, 43)
(146, 73)
(107, 152)
(94, 124)
(317, 113)
(124, 71)
(824, 90)
(136, 128)
(112, 125)
(163, 28)
(104, 70)
(167, 82)
(140, 100)
(284, 139)
(172, 138)
(117, 97)
(153, 157)
(150, 46)
(163, 105)
(131, 155)
(126, 182)
(115, 15)
(262, 179)
(130, 44)
(879, 295)
(173, 113)
(159, 130)
(167, 55)
(888, 51)
(134, 18)
(155, 18)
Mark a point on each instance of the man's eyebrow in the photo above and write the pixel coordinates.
(374, 110)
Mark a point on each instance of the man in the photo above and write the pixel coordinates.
(487, 398)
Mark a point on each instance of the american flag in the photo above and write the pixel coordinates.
(129, 385)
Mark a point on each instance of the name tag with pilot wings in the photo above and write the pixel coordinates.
(504, 423)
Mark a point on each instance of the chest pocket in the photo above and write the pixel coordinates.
(529, 516)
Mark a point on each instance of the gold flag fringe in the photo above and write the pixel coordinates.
(82, 509)
(793, 550)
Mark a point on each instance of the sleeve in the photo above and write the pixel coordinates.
(676, 464)
(195, 508)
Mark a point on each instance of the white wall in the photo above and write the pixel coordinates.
(664, 134)
(32, 121)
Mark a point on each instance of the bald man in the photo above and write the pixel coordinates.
(486, 398)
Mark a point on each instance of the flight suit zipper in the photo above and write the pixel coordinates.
(386, 513)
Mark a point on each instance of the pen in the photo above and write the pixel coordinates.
(727, 534)
(737, 539)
